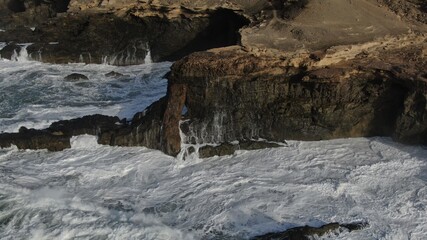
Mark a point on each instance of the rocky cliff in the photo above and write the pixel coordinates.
(306, 70)
(119, 34)
(234, 95)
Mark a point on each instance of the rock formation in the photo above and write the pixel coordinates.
(376, 91)
(297, 69)
(121, 34)
(306, 70)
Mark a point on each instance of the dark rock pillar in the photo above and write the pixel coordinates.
(171, 139)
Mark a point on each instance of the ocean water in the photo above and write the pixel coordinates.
(101, 192)
(35, 94)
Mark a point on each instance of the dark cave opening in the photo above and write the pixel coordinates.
(221, 31)
(60, 6)
(16, 6)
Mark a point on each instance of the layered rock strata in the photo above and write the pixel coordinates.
(235, 95)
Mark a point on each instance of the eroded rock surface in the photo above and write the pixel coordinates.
(119, 35)
(235, 95)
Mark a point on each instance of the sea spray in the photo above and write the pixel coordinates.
(148, 59)
(128, 56)
(22, 55)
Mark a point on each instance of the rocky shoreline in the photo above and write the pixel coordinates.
(248, 75)
(255, 91)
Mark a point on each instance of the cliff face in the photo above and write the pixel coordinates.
(234, 95)
(119, 34)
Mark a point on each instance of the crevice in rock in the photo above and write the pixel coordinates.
(388, 107)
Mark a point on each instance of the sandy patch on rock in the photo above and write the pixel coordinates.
(325, 23)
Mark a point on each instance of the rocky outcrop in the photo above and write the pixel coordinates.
(57, 136)
(120, 36)
(223, 96)
(297, 74)
(143, 130)
(235, 95)
(74, 77)
(35, 139)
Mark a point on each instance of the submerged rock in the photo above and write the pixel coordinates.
(75, 77)
(114, 74)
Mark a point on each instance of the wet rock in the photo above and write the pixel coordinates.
(221, 150)
(114, 74)
(144, 129)
(306, 232)
(75, 77)
(9, 50)
(171, 139)
(92, 125)
(35, 139)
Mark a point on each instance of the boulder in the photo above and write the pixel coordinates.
(114, 74)
(75, 77)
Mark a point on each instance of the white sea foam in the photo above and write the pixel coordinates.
(101, 192)
(121, 193)
(22, 54)
(148, 59)
(84, 142)
(35, 94)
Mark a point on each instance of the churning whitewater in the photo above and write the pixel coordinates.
(102, 192)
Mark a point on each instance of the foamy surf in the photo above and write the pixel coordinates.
(35, 94)
(92, 191)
